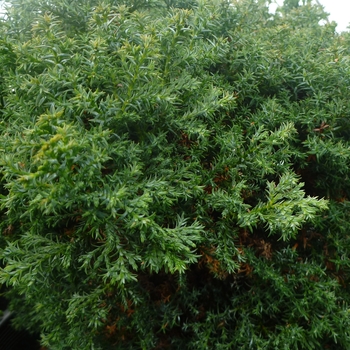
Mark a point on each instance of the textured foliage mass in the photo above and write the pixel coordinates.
(175, 175)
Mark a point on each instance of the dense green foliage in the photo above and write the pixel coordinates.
(175, 175)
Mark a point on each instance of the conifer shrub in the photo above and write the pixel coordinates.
(175, 175)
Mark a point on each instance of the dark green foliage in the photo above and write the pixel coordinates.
(175, 175)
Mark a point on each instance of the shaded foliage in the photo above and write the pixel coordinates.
(175, 174)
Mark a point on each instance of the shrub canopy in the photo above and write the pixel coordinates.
(175, 175)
